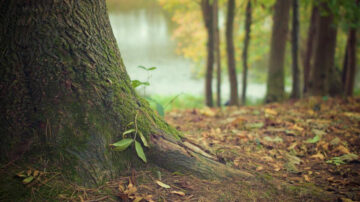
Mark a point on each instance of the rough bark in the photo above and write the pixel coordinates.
(234, 97)
(275, 79)
(295, 92)
(310, 47)
(323, 66)
(217, 52)
(248, 19)
(350, 70)
(207, 12)
(65, 96)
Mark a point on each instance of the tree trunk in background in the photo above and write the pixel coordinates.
(324, 55)
(275, 78)
(248, 19)
(350, 69)
(295, 93)
(217, 52)
(65, 96)
(234, 98)
(207, 12)
(310, 47)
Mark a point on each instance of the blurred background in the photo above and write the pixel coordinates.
(171, 36)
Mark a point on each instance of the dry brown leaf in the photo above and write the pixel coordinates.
(180, 193)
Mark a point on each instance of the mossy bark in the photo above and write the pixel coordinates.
(66, 95)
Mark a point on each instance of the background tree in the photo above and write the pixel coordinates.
(248, 19)
(234, 98)
(207, 11)
(66, 96)
(350, 63)
(325, 42)
(275, 79)
(310, 47)
(217, 52)
(295, 93)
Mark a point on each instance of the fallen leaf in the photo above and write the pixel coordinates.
(28, 180)
(270, 112)
(318, 156)
(259, 168)
(342, 149)
(161, 184)
(275, 139)
(180, 193)
(307, 178)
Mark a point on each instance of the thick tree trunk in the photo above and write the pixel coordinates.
(295, 93)
(65, 96)
(310, 47)
(207, 11)
(248, 19)
(275, 79)
(323, 66)
(217, 52)
(234, 97)
(350, 69)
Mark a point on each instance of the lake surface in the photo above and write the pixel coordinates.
(144, 38)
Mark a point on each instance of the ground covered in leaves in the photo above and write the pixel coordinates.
(306, 150)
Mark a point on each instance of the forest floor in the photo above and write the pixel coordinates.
(305, 150)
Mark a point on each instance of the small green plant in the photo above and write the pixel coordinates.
(137, 83)
(129, 137)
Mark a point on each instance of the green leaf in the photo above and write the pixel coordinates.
(28, 180)
(314, 139)
(122, 144)
(143, 139)
(137, 83)
(147, 69)
(140, 151)
(151, 68)
(128, 132)
(160, 109)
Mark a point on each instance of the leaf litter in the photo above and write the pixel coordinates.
(287, 144)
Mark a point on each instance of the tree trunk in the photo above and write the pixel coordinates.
(350, 70)
(310, 47)
(295, 93)
(207, 11)
(65, 96)
(324, 55)
(217, 52)
(234, 98)
(248, 19)
(275, 79)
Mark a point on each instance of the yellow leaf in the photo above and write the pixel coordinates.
(259, 168)
(270, 112)
(121, 188)
(138, 199)
(342, 149)
(318, 156)
(307, 178)
(161, 184)
(36, 173)
(180, 193)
